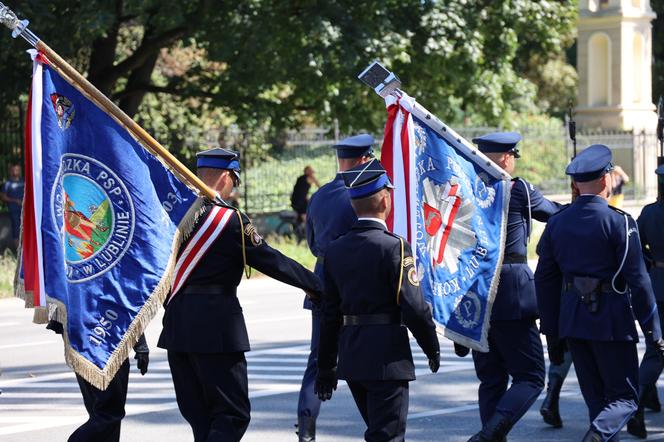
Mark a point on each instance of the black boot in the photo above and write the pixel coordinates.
(592, 436)
(495, 430)
(636, 425)
(549, 409)
(651, 398)
(306, 429)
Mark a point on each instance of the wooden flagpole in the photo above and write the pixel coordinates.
(19, 28)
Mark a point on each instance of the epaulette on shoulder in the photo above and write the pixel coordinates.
(563, 207)
(392, 234)
(622, 212)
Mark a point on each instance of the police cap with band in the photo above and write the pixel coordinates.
(219, 158)
(366, 179)
(498, 142)
(593, 162)
(355, 146)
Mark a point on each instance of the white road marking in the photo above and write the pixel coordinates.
(29, 344)
(278, 319)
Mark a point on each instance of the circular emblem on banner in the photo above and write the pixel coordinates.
(483, 193)
(468, 310)
(94, 214)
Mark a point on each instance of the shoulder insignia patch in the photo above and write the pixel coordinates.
(408, 261)
(412, 277)
(250, 231)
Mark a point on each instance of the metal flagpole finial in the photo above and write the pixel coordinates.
(380, 79)
(18, 27)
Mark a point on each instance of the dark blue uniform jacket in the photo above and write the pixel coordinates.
(516, 291)
(651, 229)
(588, 239)
(329, 216)
(362, 270)
(206, 316)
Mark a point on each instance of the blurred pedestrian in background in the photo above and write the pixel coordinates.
(300, 196)
(12, 194)
(620, 178)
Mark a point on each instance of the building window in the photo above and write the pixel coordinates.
(638, 55)
(599, 70)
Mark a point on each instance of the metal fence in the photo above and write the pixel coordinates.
(267, 185)
(11, 144)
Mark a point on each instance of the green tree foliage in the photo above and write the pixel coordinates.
(278, 64)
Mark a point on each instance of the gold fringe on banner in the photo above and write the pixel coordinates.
(89, 371)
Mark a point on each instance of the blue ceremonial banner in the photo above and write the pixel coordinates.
(453, 211)
(108, 216)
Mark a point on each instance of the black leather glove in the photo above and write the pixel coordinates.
(434, 362)
(326, 383)
(142, 355)
(659, 346)
(461, 350)
(556, 348)
(142, 361)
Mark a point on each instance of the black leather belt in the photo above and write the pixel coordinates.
(513, 258)
(604, 287)
(374, 319)
(209, 290)
(659, 264)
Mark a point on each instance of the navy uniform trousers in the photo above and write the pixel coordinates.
(329, 215)
(515, 349)
(383, 406)
(212, 392)
(651, 366)
(105, 407)
(610, 389)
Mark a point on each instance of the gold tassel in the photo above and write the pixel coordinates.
(40, 315)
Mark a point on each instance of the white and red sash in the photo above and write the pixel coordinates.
(214, 224)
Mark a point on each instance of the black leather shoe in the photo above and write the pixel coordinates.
(306, 429)
(495, 430)
(592, 436)
(636, 425)
(651, 399)
(550, 410)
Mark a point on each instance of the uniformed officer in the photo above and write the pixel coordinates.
(650, 230)
(329, 215)
(591, 283)
(371, 300)
(106, 408)
(515, 349)
(204, 329)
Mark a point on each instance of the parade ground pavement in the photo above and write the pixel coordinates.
(41, 400)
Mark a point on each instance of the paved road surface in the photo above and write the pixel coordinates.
(41, 400)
